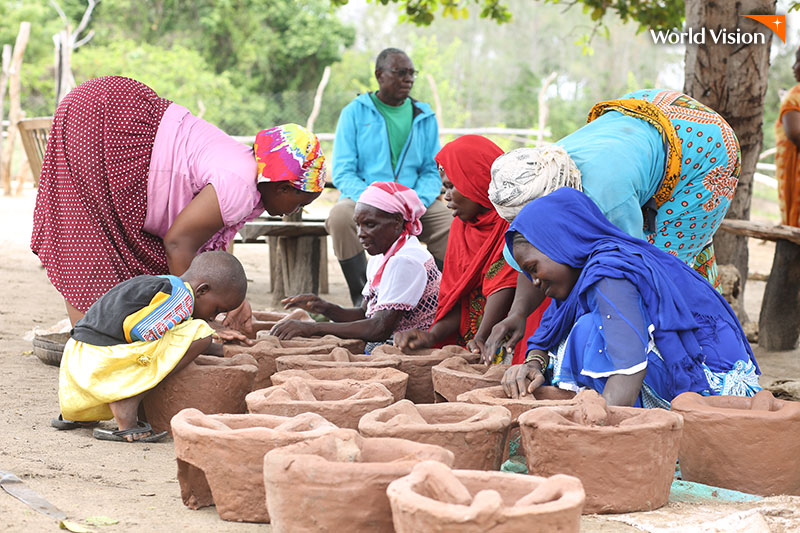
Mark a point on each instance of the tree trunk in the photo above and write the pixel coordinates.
(779, 323)
(732, 80)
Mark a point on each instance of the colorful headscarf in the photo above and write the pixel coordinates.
(394, 198)
(525, 174)
(290, 153)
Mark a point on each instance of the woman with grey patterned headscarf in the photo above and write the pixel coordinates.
(525, 174)
(660, 165)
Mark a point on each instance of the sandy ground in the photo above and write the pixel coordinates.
(136, 485)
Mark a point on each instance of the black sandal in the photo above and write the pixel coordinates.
(120, 434)
(63, 424)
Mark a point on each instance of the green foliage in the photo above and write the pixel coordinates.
(422, 12)
(194, 85)
(658, 15)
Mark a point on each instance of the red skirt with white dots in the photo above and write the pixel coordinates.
(92, 198)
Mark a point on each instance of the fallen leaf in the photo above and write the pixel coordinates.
(101, 521)
(72, 526)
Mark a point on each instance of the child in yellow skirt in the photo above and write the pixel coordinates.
(137, 334)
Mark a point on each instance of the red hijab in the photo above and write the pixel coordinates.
(473, 246)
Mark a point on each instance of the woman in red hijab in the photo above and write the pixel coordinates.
(478, 285)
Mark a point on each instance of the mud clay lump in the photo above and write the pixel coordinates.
(455, 375)
(210, 384)
(435, 499)
(221, 458)
(624, 456)
(337, 483)
(746, 444)
(476, 434)
(392, 379)
(340, 402)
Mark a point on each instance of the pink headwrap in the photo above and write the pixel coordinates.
(394, 198)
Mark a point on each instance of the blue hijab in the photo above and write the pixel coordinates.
(570, 229)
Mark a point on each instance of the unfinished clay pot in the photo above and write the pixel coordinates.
(418, 364)
(337, 358)
(746, 444)
(267, 350)
(435, 499)
(476, 434)
(221, 458)
(624, 456)
(210, 384)
(392, 379)
(542, 397)
(352, 345)
(341, 402)
(455, 375)
(337, 483)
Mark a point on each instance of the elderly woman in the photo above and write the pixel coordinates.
(477, 284)
(402, 286)
(628, 320)
(135, 184)
(660, 166)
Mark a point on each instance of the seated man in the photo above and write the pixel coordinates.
(385, 136)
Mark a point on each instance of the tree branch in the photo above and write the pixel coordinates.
(85, 19)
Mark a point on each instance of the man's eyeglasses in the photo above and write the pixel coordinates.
(403, 72)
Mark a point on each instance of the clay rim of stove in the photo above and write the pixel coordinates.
(187, 425)
(305, 455)
(429, 355)
(654, 419)
(257, 397)
(691, 403)
(452, 367)
(497, 396)
(495, 418)
(322, 360)
(339, 373)
(405, 489)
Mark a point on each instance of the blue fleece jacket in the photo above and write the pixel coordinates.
(361, 153)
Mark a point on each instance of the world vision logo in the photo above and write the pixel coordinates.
(777, 23)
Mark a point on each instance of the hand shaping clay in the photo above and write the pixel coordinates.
(455, 375)
(392, 379)
(476, 434)
(624, 456)
(418, 364)
(337, 483)
(210, 384)
(435, 499)
(746, 444)
(341, 402)
(221, 458)
(266, 320)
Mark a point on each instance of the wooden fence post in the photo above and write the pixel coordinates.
(13, 104)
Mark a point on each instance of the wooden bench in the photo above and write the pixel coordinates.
(298, 253)
(779, 320)
(33, 133)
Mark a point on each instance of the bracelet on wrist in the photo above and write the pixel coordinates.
(539, 358)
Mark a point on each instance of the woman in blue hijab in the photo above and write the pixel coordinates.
(628, 320)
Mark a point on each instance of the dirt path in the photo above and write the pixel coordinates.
(136, 485)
